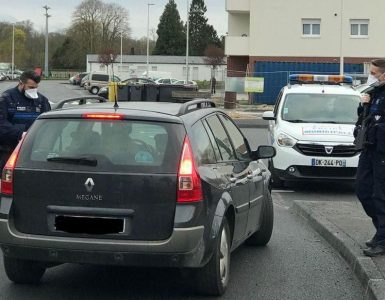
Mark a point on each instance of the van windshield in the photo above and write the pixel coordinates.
(320, 108)
(104, 145)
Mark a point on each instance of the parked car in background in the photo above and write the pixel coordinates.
(83, 81)
(71, 80)
(79, 77)
(190, 83)
(3, 77)
(97, 80)
(13, 76)
(146, 184)
(166, 80)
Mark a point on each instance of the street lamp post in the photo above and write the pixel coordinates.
(148, 37)
(13, 50)
(341, 37)
(187, 38)
(46, 41)
(121, 54)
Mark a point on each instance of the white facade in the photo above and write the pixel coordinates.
(136, 66)
(289, 28)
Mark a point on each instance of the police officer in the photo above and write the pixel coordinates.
(19, 107)
(370, 178)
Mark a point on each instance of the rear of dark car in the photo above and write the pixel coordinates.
(101, 188)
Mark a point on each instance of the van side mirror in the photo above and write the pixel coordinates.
(268, 115)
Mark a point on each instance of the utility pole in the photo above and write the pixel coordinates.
(187, 38)
(46, 72)
(121, 54)
(341, 38)
(13, 49)
(148, 38)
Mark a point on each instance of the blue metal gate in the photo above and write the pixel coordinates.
(276, 75)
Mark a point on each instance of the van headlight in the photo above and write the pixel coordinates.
(285, 140)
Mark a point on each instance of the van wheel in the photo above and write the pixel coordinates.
(23, 271)
(263, 235)
(212, 279)
(94, 90)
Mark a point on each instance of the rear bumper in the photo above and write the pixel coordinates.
(184, 248)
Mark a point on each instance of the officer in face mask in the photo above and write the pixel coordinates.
(370, 178)
(19, 107)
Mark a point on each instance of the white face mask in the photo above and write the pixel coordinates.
(374, 81)
(31, 93)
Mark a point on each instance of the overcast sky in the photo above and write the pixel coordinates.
(61, 11)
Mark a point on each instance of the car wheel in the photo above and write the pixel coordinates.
(276, 182)
(213, 278)
(94, 90)
(23, 271)
(263, 235)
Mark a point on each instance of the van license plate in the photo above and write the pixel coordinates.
(328, 162)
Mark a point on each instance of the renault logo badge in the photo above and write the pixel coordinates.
(89, 184)
(328, 149)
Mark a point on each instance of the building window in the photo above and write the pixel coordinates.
(154, 68)
(311, 27)
(359, 28)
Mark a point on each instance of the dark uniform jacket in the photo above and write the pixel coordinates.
(17, 113)
(375, 119)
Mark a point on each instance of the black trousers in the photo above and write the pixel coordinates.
(4, 155)
(370, 189)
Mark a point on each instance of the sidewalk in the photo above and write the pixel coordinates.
(345, 226)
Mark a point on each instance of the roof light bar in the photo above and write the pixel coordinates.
(326, 79)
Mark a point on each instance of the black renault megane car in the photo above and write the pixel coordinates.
(135, 184)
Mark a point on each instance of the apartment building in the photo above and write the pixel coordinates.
(273, 35)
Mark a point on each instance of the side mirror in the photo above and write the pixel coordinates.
(263, 152)
(268, 115)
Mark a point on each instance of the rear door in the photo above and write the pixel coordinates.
(77, 177)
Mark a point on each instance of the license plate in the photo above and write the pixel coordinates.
(328, 162)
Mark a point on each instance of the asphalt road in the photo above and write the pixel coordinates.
(297, 263)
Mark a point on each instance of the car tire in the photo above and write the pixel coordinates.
(263, 235)
(23, 271)
(276, 182)
(94, 90)
(213, 278)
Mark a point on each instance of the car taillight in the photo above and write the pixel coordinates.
(189, 182)
(7, 175)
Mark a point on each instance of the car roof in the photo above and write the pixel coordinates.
(320, 89)
(160, 111)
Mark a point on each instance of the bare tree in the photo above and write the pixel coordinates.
(107, 57)
(214, 56)
(100, 24)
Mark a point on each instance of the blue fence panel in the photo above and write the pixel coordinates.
(276, 75)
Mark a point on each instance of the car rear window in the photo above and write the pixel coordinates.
(124, 145)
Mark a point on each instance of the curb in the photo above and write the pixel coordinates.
(363, 267)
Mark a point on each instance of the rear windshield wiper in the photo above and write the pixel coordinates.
(83, 160)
